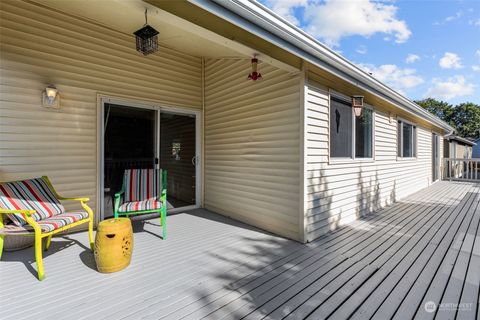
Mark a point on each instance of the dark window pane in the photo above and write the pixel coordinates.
(407, 140)
(363, 134)
(340, 129)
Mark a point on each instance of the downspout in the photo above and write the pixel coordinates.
(202, 200)
(303, 156)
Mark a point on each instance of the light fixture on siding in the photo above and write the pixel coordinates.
(146, 38)
(357, 104)
(254, 75)
(51, 97)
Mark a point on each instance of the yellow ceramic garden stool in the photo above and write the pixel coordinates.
(113, 245)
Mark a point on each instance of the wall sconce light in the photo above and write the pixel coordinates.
(357, 104)
(51, 97)
(254, 75)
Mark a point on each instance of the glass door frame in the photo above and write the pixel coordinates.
(436, 157)
(102, 100)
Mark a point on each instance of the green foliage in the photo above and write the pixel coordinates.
(464, 117)
(467, 119)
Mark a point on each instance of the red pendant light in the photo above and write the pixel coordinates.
(254, 75)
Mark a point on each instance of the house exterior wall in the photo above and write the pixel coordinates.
(40, 46)
(340, 192)
(476, 150)
(252, 152)
(459, 150)
(464, 151)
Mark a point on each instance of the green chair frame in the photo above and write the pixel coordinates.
(161, 211)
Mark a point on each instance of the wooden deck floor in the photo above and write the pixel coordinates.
(386, 265)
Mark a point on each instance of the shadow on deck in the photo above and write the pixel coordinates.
(386, 264)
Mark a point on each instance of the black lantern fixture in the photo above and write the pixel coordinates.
(146, 38)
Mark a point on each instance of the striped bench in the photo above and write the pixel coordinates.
(34, 209)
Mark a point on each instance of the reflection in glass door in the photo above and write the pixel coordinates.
(129, 142)
(177, 156)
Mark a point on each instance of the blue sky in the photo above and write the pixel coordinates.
(420, 48)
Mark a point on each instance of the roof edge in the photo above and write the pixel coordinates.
(461, 139)
(261, 21)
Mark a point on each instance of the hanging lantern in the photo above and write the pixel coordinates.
(254, 75)
(357, 104)
(146, 38)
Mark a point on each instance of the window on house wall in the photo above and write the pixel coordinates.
(350, 136)
(340, 129)
(364, 134)
(407, 140)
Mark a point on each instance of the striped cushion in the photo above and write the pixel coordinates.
(47, 225)
(140, 205)
(62, 220)
(140, 184)
(32, 194)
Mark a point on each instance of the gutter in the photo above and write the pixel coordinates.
(259, 20)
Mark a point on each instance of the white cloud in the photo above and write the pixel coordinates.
(450, 61)
(477, 53)
(476, 68)
(475, 23)
(390, 74)
(361, 49)
(285, 8)
(332, 20)
(411, 58)
(453, 87)
(456, 16)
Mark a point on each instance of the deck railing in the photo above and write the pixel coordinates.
(461, 169)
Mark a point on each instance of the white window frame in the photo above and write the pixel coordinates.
(331, 159)
(400, 140)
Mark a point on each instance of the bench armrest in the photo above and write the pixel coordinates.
(26, 212)
(27, 215)
(82, 199)
(59, 197)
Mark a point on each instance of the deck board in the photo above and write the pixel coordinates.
(387, 264)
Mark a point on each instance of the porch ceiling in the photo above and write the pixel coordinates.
(128, 16)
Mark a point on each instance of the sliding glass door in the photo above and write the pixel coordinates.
(178, 157)
(136, 137)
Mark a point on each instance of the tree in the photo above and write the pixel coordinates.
(466, 117)
(441, 109)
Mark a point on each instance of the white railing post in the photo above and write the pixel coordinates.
(462, 169)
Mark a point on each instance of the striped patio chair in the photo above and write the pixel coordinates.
(140, 195)
(34, 208)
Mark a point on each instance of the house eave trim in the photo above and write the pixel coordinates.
(257, 19)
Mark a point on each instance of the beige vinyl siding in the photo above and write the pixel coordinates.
(338, 193)
(40, 46)
(252, 155)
